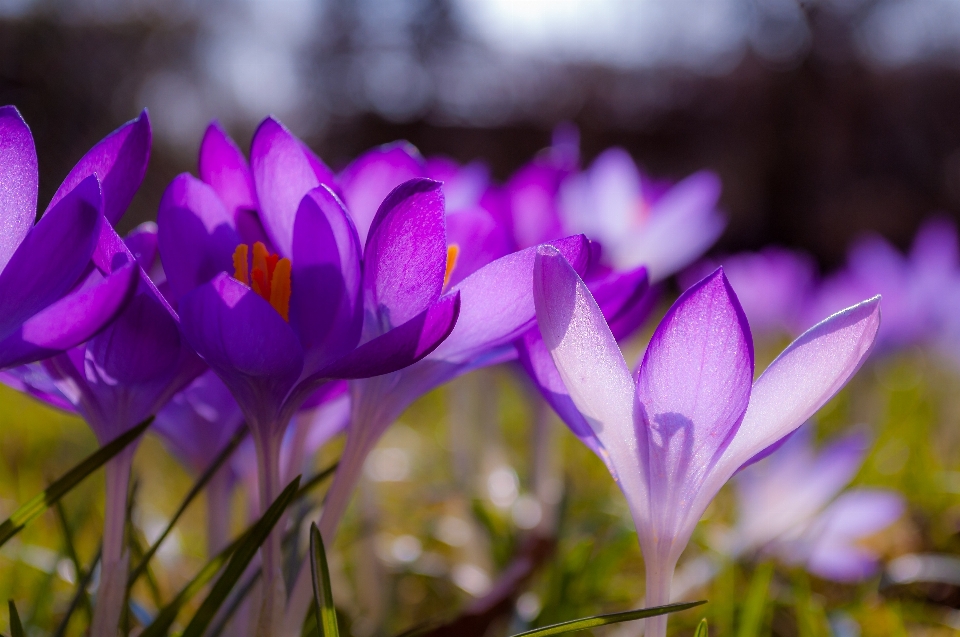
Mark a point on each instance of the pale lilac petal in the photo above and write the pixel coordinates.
(589, 362)
(693, 386)
(532, 196)
(604, 201)
(479, 239)
(406, 253)
(120, 161)
(325, 304)
(371, 177)
(35, 382)
(223, 166)
(18, 182)
(804, 377)
(51, 258)
(72, 320)
(252, 349)
(196, 237)
(284, 170)
(498, 301)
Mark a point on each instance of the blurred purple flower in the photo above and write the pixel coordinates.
(51, 298)
(788, 506)
(691, 418)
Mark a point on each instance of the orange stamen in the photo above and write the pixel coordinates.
(269, 275)
(241, 270)
(453, 251)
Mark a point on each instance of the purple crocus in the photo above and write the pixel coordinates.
(264, 264)
(674, 434)
(51, 299)
(790, 505)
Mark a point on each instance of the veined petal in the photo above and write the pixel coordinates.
(18, 182)
(371, 177)
(479, 239)
(196, 236)
(400, 347)
(223, 166)
(405, 256)
(51, 258)
(72, 320)
(325, 304)
(498, 301)
(120, 161)
(246, 342)
(693, 386)
(804, 377)
(284, 170)
(589, 362)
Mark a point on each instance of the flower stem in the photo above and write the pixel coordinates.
(268, 463)
(113, 578)
(219, 492)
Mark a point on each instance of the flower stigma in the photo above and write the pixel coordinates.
(269, 275)
(453, 251)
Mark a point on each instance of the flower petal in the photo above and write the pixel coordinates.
(223, 166)
(18, 182)
(142, 244)
(325, 306)
(196, 234)
(72, 320)
(400, 347)
(405, 256)
(479, 240)
(532, 196)
(372, 176)
(804, 377)
(588, 360)
(52, 256)
(243, 339)
(498, 301)
(284, 170)
(120, 161)
(693, 386)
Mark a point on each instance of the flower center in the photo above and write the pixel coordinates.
(453, 251)
(268, 275)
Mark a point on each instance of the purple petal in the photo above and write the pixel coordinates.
(18, 182)
(400, 347)
(284, 170)
(479, 238)
(142, 244)
(498, 301)
(588, 360)
(35, 382)
(617, 293)
(51, 258)
(372, 176)
(693, 386)
(196, 236)
(112, 253)
(406, 253)
(325, 307)
(532, 193)
(120, 161)
(243, 339)
(804, 377)
(72, 320)
(225, 169)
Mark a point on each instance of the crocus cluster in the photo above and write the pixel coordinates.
(276, 295)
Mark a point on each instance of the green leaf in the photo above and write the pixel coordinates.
(82, 582)
(71, 548)
(310, 484)
(32, 509)
(238, 563)
(16, 628)
(751, 618)
(702, 630)
(603, 620)
(322, 593)
(194, 492)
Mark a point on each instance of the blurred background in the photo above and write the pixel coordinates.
(824, 118)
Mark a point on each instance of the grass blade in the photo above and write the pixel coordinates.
(702, 629)
(322, 595)
(751, 618)
(82, 583)
(310, 484)
(603, 620)
(71, 549)
(16, 628)
(231, 610)
(32, 509)
(194, 492)
(238, 563)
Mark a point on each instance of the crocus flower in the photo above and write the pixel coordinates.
(264, 264)
(790, 505)
(674, 434)
(51, 299)
(196, 425)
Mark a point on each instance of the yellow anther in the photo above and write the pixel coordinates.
(241, 269)
(453, 251)
(280, 288)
